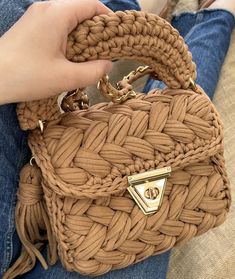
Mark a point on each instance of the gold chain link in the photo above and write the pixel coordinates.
(78, 99)
(140, 69)
(75, 99)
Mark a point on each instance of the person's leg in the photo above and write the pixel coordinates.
(208, 40)
(14, 153)
(122, 5)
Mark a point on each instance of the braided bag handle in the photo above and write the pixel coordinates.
(137, 36)
(129, 35)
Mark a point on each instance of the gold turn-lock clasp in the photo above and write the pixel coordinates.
(147, 189)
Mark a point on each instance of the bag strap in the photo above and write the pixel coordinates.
(131, 35)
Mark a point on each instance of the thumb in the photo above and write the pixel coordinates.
(79, 75)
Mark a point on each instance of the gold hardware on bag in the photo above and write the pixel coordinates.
(124, 89)
(75, 99)
(147, 189)
(31, 161)
(113, 94)
(195, 87)
(140, 69)
(41, 126)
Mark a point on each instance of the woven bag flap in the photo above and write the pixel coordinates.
(90, 153)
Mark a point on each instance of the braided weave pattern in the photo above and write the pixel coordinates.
(85, 157)
(96, 236)
(88, 153)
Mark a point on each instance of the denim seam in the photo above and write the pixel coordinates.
(201, 12)
(9, 245)
(220, 10)
(11, 225)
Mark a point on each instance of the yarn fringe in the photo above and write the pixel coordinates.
(32, 224)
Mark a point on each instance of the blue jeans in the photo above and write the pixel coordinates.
(207, 34)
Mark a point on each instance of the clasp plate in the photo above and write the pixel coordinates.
(147, 189)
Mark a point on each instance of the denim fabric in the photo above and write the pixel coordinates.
(122, 5)
(14, 152)
(13, 155)
(207, 34)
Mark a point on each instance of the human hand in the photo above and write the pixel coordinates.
(32, 53)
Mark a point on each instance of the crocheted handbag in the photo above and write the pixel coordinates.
(115, 183)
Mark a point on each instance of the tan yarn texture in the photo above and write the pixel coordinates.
(76, 199)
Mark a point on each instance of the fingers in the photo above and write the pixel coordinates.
(79, 75)
(76, 11)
